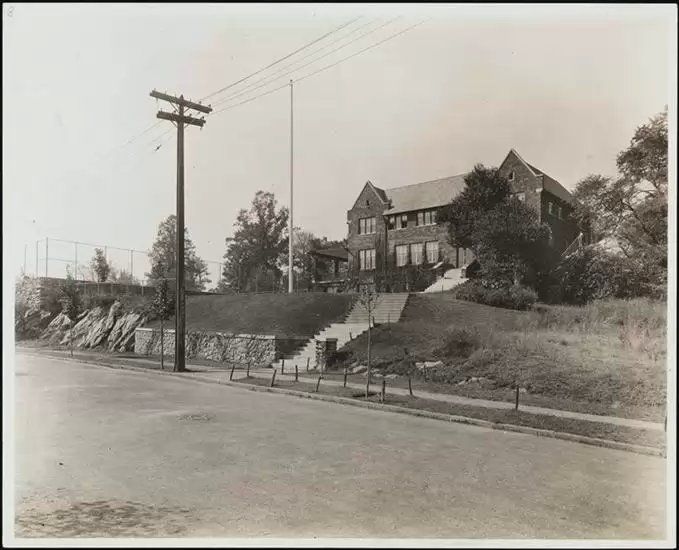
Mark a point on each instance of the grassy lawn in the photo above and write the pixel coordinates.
(604, 358)
(298, 315)
(578, 427)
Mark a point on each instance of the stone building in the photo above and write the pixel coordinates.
(396, 227)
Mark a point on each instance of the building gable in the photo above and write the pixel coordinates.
(370, 196)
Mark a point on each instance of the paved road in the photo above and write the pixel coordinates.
(103, 452)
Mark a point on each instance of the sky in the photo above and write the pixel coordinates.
(565, 86)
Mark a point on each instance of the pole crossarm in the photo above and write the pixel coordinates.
(178, 118)
(181, 101)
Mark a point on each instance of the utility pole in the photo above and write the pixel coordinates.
(179, 118)
(290, 283)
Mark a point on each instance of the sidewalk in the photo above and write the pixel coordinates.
(448, 398)
(205, 372)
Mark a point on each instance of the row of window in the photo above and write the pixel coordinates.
(367, 226)
(406, 254)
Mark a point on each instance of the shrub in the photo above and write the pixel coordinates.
(594, 274)
(509, 297)
(459, 342)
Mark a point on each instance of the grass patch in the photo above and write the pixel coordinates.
(572, 426)
(609, 355)
(294, 315)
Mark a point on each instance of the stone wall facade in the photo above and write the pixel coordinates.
(221, 347)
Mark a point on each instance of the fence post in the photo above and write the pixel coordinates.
(283, 365)
(307, 364)
(384, 390)
(410, 385)
(247, 374)
(318, 383)
(296, 374)
(345, 377)
(516, 407)
(232, 369)
(273, 378)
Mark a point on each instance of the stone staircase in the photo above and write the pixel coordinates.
(388, 309)
(450, 280)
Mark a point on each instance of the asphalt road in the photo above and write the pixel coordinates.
(103, 452)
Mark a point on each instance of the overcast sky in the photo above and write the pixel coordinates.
(565, 86)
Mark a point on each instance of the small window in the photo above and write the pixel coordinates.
(559, 212)
(511, 176)
(391, 222)
(402, 221)
(432, 251)
(367, 259)
(366, 226)
(416, 253)
(420, 218)
(401, 255)
(550, 208)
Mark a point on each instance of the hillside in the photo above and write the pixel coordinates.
(610, 354)
(299, 315)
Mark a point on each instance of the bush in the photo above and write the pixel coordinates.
(459, 342)
(509, 297)
(594, 274)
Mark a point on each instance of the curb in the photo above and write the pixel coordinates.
(594, 441)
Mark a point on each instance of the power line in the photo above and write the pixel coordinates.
(286, 67)
(310, 62)
(321, 69)
(363, 50)
(281, 59)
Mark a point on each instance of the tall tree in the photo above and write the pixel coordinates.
(631, 208)
(484, 188)
(163, 258)
(100, 265)
(508, 240)
(254, 254)
(163, 307)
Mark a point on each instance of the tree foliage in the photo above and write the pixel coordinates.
(100, 265)
(506, 236)
(71, 301)
(257, 250)
(163, 257)
(631, 208)
(163, 302)
(484, 189)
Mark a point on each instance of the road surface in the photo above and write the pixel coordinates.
(104, 452)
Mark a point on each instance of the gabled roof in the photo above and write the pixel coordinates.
(379, 192)
(549, 184)
(335, 253)
(428, 194)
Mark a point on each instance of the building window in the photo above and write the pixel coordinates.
(367, 259)
(511, 176)
(420, 218)
(391, 222)
(430, 217)
(550, 208)
(366, 226)
(401, 255)
(559, 212)
(402, 221)
(432, 251)
(416, 253)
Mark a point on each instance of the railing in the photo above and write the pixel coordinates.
(575, 245)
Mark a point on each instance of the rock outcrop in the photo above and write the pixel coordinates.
(111, 328)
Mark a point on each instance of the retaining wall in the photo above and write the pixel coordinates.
(259, 349)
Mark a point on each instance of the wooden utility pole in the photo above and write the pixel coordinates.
(180, 118)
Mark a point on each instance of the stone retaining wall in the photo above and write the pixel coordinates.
(259, 349)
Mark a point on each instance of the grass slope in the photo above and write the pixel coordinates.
(610, 354)
(296, 315)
